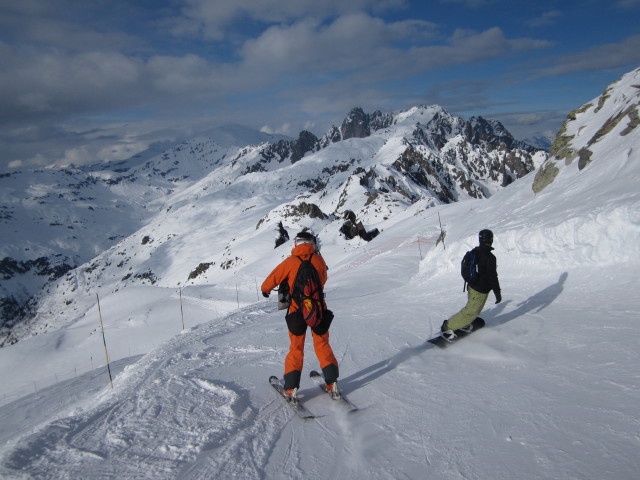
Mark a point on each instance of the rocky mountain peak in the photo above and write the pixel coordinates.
(305, 143)
(355, 125)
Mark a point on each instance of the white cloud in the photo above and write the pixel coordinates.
(628, 3)
(76, 156)
(547, 18)
(180, 74)
(17, 164)
(36, 81)
(345, 44)
(602, 57)
(468, 3)
(356, 42)
(262, 63)
(62, 24)
(284, 129)
(211, 18)
(42, 83)
(463, 47)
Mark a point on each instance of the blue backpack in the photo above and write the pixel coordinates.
(469, 267)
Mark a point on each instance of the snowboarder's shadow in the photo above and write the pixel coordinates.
(368, 374)
(535, 303)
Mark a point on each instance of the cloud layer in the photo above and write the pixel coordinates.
(69, 69)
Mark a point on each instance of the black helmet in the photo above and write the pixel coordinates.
(485, 236)
(305, 236)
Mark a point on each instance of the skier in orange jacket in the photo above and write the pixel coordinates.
(305, 248)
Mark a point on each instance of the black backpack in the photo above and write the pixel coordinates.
(307, 293)
(469, 267)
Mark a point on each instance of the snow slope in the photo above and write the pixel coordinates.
(548, 389)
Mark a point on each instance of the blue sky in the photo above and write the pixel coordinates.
(103, 80)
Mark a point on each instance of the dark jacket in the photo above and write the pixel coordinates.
(487, 279)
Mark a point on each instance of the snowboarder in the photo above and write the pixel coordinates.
(305, 248)
(477, 290)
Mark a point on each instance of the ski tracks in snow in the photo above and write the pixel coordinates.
(198, 407)
(180, 412)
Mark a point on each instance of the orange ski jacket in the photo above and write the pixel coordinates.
(288, 269)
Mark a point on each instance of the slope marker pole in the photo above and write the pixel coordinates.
(442, 233)
(181, 311)
(104, 341)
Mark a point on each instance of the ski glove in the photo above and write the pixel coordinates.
(498, 296)
(265, 294)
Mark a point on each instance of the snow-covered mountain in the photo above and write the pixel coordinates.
(57, 219)
(548, 389)
(103, 225)
(594, 130)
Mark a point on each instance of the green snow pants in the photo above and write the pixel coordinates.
(475, 304)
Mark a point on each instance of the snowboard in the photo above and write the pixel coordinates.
(441, 342)
(296, 405)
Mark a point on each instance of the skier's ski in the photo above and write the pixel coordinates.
(319, 379)
(441, 342)
(295, 405)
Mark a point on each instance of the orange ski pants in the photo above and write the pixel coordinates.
(295, 358)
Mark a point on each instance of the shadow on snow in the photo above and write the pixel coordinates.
(536, 303)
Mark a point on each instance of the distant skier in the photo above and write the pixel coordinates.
(478, 288)
(305, 248)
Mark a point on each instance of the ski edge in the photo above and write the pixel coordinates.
(319, 379)
(298, 407)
